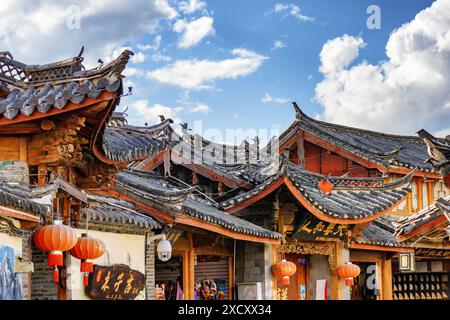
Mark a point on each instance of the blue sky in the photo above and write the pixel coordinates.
(232, 76)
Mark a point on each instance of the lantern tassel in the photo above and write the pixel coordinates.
(85, 279)
(55, 275)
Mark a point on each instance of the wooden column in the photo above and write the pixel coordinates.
(190, 293)
(185, 257)
(430, 192)
(419, 194)
(42, 174)
(386, 276)
(230, 277)
(337, 284)
(23, 149)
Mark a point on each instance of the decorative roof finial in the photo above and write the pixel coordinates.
(298, 112)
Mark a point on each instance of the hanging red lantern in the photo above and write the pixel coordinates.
(55, 239)
(348, 271)
(87, 249)
(284, 269)
(325, 186)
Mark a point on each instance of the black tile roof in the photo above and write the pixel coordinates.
(110, 210)
(379, 148)
(24, 199)
(380, 232)
(128, 143)
(438, 152)
(410, 223)
(33, 89)
(146, 185)
(352, 198)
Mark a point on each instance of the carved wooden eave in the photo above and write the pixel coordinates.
(314, 248)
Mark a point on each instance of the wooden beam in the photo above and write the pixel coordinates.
(337, 284)
(371, 247)
(20, 215)
(185, 264)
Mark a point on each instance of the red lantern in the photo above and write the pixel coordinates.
(55, 239)
(87, 249)
(349, 271)
(325, 186)
(284, 269)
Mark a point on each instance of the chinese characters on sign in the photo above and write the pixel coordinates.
(117, 282)
(434, 253)
(311, 228)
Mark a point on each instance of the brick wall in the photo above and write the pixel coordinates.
(42, 286)
(150, 271)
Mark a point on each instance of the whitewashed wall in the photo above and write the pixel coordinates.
(120, 249)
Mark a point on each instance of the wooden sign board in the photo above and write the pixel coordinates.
(432, 253)
(117, 282)
(312, 228)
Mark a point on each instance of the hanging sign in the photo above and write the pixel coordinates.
(117, 282)
(312, 228)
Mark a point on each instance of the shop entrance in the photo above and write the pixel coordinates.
(169, 279)
(366, 285)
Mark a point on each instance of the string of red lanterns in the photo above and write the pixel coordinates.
(87, 249)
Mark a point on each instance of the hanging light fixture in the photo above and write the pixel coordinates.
(87, 249)
(348, 271)
(55, 239)
(325, 186)
(284, 269)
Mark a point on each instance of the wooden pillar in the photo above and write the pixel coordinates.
(386, 275)
(185, 260)
(419, 194)
(23, 149)
(337, 284)
(430, 192)
(42, 175)
(231, 277)
(190, 293)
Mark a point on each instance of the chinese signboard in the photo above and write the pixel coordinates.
(117, 282)
(432, 253)
(311, 228)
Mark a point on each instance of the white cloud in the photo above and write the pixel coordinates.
(269, 99)
(133, 72)
(191, 6)
(160, 58)
(38, 31)
(193, 32)
(278, 44)
(153, 46)
(200, 74)
(338, 53)
(200, 108)
(403, 94)
(310, 76)
(292, 10)
(138, 57)
(141, 111)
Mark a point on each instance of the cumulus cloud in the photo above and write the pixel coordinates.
(191, 6)
(200, 74)
(269, 99)
(142, 111)
(200, 108)
(291, 10)
(338, 53)
(277, 44)
(151, 46)
(43, 31)
(160, 58)
(406, 92)
(193, 32)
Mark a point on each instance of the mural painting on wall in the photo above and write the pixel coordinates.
(117, 282)
(9, 281)
(311, 228)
